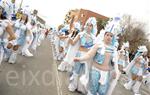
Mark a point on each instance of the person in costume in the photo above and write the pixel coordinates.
(136, 69)
(5, 28)
(21, 32)
(25, 50)
(101, 55)
(63, 35)
(41, 35)
(38, 33)
(35, 34)
(54, 39)
(123, 57)
(10, 8)
(64, 64)
(86, 40)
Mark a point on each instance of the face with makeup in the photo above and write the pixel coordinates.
(108, 38)
(89, 27)
(24, 17)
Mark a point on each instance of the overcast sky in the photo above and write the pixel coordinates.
(53, 11)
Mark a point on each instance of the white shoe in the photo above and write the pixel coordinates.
(136, 88)
(126, 86)
(129, 84)
(27, 53)
(137, 94)
(71, 88)
(74, 83)
(38, 44)
(84, 80)
(12, 58)
(62, 67)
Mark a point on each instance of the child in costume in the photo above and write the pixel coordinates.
(123, 57)
(136, 69)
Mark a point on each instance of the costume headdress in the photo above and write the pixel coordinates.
(92, 20)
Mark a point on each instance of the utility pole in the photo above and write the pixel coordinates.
(20, 4)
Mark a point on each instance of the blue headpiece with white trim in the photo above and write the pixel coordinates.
(92, 20)
(115, 28)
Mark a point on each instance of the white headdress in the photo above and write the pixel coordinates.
(142, 49)
(115, 28)
(77, 25)
(125, 45)
(66, 27)
(92, 20)
(26, 10)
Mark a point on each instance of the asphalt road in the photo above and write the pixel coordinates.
(30, 76)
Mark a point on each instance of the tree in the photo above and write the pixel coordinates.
(101, 24)
(134, 33)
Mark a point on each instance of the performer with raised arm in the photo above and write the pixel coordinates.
(86, 40)
(101, 56)
(21, 32)
(5, 28)
(136, 69)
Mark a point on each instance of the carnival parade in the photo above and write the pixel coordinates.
(88, 54)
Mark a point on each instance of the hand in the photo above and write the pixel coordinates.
(11, 38)
(76, 59)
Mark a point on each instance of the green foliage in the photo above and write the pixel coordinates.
(101, 23)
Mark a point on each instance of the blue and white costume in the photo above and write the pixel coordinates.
(10, 8)
(123, 60)
(34, 32)
(63, 41)
(99, 78)
(3, 38)
(41, 36)
(65, 64)
(125, 54)
(35, 38)
(29, 39)
(21, 32)
(86, 41)
(137, 67)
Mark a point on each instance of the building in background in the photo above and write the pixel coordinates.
(81, 16)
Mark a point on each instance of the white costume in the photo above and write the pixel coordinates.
(29, 39)
(67, 63)
(86, 41)
(3, 38)
(137, 70)
(98, 79)
(21, 33)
